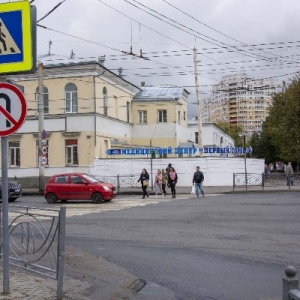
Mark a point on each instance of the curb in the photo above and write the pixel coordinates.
(136, 285)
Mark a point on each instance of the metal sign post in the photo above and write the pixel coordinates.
(17, 54)
(5, 237)
(12, 116)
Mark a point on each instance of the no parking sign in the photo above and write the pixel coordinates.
(12, 109)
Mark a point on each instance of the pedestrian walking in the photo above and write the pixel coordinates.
(168, 168)
(144, 179)
(289, 174)
(158, 183)
(198, 179)
(172, 181)
(164, 181)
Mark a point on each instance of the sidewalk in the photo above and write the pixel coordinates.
(87, 277)
(187, 190)
(91, 277)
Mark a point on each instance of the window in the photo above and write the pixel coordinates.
(14, 154)
(184, 115)
(61, 179)
(71, 98)
(105, 104)
(76, 179)
(142, 116)
(196, 137)
(46, 99)
(179, 118)
(44, 154)
(71, 152)
(162, 116)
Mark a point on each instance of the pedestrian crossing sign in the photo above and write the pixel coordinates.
(15, 37)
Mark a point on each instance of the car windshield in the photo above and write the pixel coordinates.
(90, 178)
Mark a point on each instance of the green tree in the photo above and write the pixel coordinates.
(282, 127)
(263, 147)
(234, 131)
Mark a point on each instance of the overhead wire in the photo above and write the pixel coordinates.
(167, 66)
(151, 28)
(190, 16)
(199, 35)
(51, 11)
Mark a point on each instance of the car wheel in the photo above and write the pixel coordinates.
(12, 199)
(51, 198)
(97, 198)
(63, 201)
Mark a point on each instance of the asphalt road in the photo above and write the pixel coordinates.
(226, 247)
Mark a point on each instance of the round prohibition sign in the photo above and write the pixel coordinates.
(12, 109)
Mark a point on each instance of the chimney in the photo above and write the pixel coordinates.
(143, 83)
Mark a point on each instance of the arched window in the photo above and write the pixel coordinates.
(71, 98)
(105, 104)
(46, 99)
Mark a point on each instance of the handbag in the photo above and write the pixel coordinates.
(193, 190)
(145, 183)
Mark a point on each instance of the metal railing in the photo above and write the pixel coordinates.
(276, 179)
(281, 179)
(121, 181)
(290, 284)
(37, 241)
(247, 179)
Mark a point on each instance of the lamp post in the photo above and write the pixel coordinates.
(245, 161)
(151, 164)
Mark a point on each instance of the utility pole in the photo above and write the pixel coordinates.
(41, 125)
(245, 161)
(200, 142)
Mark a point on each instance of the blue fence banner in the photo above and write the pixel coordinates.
(188, 150)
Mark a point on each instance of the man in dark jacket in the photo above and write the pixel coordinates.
(198, 179)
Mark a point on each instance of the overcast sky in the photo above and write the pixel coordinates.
(212, 26)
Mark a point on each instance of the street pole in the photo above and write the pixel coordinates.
(41, 126)
(151, 164)
(245, 160)
(4, 211)
(200, 141)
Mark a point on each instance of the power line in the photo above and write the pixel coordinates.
(51, 11)
(208, 39)
(236, 40)
(143, 24)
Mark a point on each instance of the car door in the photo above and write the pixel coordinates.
(79, 188)
(61, 187)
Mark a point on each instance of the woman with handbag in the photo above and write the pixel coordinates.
(158, 183)
(172, 180)
(144, 179)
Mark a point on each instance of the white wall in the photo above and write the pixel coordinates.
(211, 134)
(217, 171)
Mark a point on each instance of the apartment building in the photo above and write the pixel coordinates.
(239, 99)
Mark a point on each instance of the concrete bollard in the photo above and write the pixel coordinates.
(289, 282)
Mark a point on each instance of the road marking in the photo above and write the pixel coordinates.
(82, 208)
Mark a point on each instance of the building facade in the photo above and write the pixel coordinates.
(88, 109)
(238, 99)
(213, 136)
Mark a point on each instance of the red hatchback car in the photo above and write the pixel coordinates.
(78, 186)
